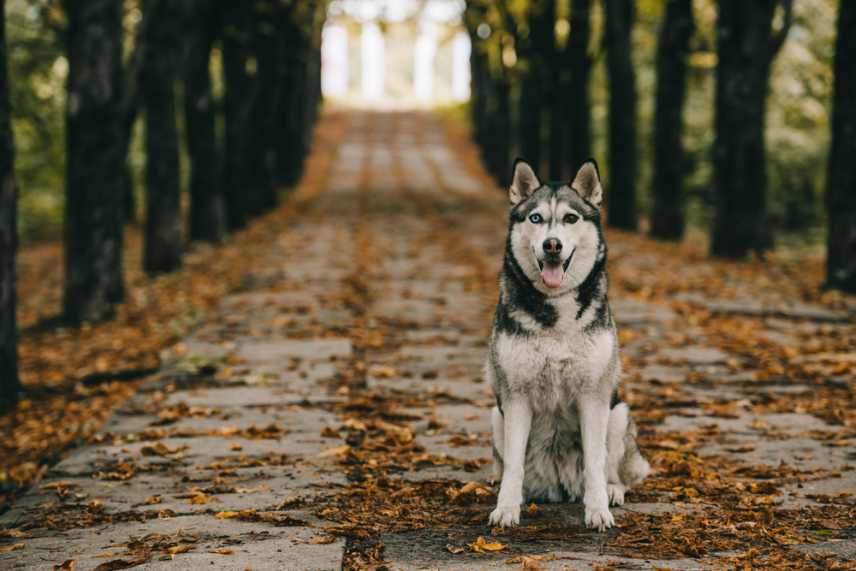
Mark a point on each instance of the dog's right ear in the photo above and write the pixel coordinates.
(524, 182)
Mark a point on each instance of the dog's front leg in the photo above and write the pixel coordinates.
(518, 421)
(594, 419)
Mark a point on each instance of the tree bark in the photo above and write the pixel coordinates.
(163, 247)
(746, 46)
(263, 156)
(94, 178)
(239, 98)
(555, 85)
(536, 51)
(207, 205)
(290, 113)
(622, 154)
(841, 179)
(10, 384)
(578, 111)
(676, 30)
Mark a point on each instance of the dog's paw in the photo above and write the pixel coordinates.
(505, 515)
(599, 518)
(616, 494)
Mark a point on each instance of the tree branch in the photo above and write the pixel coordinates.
(778, 37)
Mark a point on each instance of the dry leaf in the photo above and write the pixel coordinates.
(11, 548)
(481, 545)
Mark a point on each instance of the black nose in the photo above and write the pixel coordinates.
(552, 246)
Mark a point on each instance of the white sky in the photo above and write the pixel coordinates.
(397, 10)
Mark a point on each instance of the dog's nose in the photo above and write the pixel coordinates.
(552, 246)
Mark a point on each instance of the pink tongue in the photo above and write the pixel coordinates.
(552, 275)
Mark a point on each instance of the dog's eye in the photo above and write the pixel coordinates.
(571, 218)
(535, 219)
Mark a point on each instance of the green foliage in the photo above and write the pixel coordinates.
(37, 71)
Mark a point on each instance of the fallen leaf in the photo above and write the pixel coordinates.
(11, 548)
(481, 545)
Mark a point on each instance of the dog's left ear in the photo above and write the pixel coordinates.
(587, 183)
(524, 182)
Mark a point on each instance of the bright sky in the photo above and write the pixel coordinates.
(397, 10)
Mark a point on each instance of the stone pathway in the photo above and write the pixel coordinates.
(332, 414)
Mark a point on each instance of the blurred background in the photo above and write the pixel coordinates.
(408, 53)
(138, 131)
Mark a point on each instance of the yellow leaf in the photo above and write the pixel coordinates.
(335, 451)
(481, 545)
(227, 515)
(11, 548)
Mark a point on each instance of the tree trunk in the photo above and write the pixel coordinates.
(536, 51)
(578, 108)
(841, 179)
(529, 117)
(667, 217)
(555, 85)
(94, 180)
(289, 116)
(240, 93)
(10, 384)
(622, 154)
(207, 206)
(163, 235)
(746, 47)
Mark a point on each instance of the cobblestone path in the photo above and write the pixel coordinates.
(332, 413)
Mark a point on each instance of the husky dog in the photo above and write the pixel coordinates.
(559, 429)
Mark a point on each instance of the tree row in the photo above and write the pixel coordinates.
(235, 85)
(532, 97)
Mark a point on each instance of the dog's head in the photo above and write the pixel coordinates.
(555, 234)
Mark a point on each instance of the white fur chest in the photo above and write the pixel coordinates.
(553, 368)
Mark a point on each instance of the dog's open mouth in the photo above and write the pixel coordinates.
(553, 271)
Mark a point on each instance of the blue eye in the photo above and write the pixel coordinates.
(535, 219)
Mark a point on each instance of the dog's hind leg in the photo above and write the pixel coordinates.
(498, 424)
(625, 465)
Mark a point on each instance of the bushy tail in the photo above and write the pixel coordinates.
(626, 465)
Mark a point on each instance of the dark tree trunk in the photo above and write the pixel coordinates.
(130, 109)
(94, 180)
(262, 171)
(480, 78)
(667, 217)
(301, 91)
(529, 118)
(10, 384)
(578, 108)
(207, 206)
(555, 85)
(240, 93)
(536, 52)
(162, 250)
(622, 154)
(841, 179)
(500, 126)
(746, 46)
(290, 113)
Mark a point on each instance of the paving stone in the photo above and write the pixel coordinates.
(696, 355)
(258, 351)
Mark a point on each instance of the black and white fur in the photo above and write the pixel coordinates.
(559, 430)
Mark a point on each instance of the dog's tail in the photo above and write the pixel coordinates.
(626, 465)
